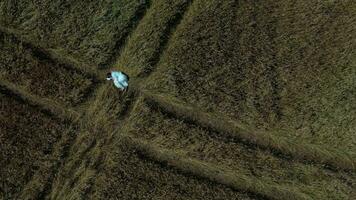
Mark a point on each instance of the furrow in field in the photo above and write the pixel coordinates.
(222, 125)
(29, 137)
(171, 26)
(93, 38)
(146, 44)
(90, 148)
(33, 70)
(154, 125)
(45, 105)
(211, 172)
(134, 21)
(51, 54)
(132, 172)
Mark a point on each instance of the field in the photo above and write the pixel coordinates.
(35, 72)
(28, 138)
(227, 100)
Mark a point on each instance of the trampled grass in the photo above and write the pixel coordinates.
(91, 32)
(159, 128)
(268, 65)
(131, 175)
(151, 36)
(333, 158)
(89, 151)
(227, 100)
(26, 67)
(27, 139)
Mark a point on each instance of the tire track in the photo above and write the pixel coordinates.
(192, 167)
(47, 107)
(96, 75)
(167, 35)
(37, 105)
(135, 20)
(52, 56)
(132, 97)
(44, 105)
(62, 150)
(226, 127)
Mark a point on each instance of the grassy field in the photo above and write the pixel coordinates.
(91, 32)
(109, 166)
(26, 67)
(27, 141)
(268, 66)
(227, 100)
(150, 37)
(160, 128)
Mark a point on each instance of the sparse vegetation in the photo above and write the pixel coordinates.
(227, 100)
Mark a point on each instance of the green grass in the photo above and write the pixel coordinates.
(91, 32)
(268, 65)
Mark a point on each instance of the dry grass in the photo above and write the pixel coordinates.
(27, 140)
(214, 173)
(332, 157)
(151, 36)
(157, 126)
(268, 65)
(28, 68)
(89, 150)
(131, 174)
(94, 37)
(240, 100)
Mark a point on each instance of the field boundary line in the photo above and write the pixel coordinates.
(45, 105)
(66, 61)
(211, 172)
(223, 125)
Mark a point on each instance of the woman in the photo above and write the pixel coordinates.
(121, 80)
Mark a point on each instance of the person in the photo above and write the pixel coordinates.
(121, 80)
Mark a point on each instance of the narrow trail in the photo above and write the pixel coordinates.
(63, 150)
(122, 119)
(60, 115)
(168, 33)
(98, 76)
(45, 105)
(43, 54)
(175, 109)
(53, 56)
(134, 92)
(135, 20)
(189, 166)
(227, 127)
